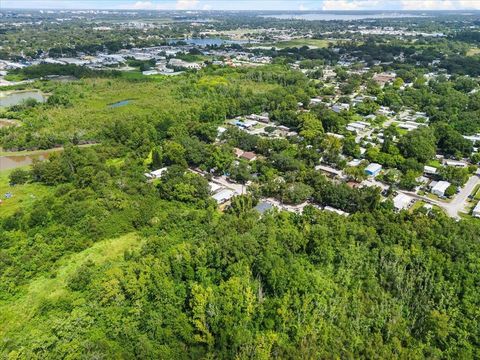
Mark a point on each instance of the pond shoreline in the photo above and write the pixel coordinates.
(15, 159)
(15, 97)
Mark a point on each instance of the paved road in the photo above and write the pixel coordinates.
(459, 202)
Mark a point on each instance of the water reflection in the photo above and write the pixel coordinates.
(15, 161)
(9, 98)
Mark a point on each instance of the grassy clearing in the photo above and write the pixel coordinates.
(16, 314)
(418, 205)
(434, 163)
(314, 43)
(473, 52)
(23, 195)
(437, 198)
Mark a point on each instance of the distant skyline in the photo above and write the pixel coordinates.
(287, 5)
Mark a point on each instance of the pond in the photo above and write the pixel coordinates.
(25, 158)
(119, 104)
(11, 98)
(15, 161)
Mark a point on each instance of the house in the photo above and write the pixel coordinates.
(408, 126)
(247, 124)
(476, 211)
(422, 180)
(262, 117)
(340, 107)
(178, 63)
(373, 169)
(150, 72)
(354, 162)
(384, 78)
(473, 138)
(429, 170)
(223, 196)
(454, 163)
(357, 126)
(156, 174)
(329, 170)
(214, 187)
(440, 187)
(338, 136)
(402, 202)
(249, 155)
(383, 110)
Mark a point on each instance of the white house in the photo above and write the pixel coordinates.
(156, 174)
(402, 202)
(214, 187)
(340, 107)
(373, 169)
(430, 170)
(357, 126)
(262, 117)
(473, 138)
(455, 163)
(440, 187)
(223, 196)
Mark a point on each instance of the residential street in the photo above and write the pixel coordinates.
(459, 202)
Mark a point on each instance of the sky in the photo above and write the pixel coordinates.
(297, 5)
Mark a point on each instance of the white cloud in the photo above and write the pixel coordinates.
(428, 5)
(470, 4)
(302, 7)
(440, 4)
(350, 5)
(171, 5)
(186, 4)
(143, 5)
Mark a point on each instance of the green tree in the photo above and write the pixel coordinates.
(418, 144)
(18, 176)
(451, 190)
(311, 126)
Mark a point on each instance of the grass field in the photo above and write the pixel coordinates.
(314, 43)
(17, 314)
(434, 163)
(473, 52)
(22, 195)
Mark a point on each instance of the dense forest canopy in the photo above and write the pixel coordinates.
(151, 278)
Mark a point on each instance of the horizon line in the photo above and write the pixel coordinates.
(240, 10)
